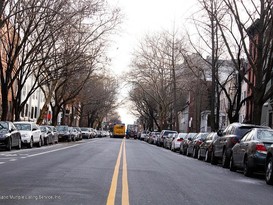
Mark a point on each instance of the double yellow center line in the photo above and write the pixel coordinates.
(113, 188)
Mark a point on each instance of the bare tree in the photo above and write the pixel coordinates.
(155, 65)
(251, 23)
(98, 99)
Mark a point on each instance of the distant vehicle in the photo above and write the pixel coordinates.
(163, 134)
(177, 141)
(194, 143)
(64, 133)
(9, 135)
(131, 131)
(185, 143)
(86, 132)
(119, 131)
(204, 151)
(54, 132)
(30, 133)
(48, 135)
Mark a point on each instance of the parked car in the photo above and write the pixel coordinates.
(205, 148)
(9, 135)
(250, 153)
(79, 133)
(177, 141)
(73, 133)
(184, 144)
(221, 148)
(30, 133)
(269, 166)
(193, 144)
(86, 132)
(48, 136)
(167, 143)
(154, 136)
(64, 133)
(163, 134)
(143, 135)
(54, 132)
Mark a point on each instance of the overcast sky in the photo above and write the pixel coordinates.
(142, 17)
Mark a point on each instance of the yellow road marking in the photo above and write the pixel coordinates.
(125, 190)
(113, 188)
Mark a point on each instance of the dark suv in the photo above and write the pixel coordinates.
(221, 147)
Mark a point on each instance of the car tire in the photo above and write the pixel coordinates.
(207, 156)
(213, 159)
(231, 164)
(225, 160)
(194, 153)
(199, 155)
(30, 145)
(247, 170)
(180, 151)
(19, 144)
(268, 171)
(9, 144)
(187, 152)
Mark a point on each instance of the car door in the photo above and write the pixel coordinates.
(242, 149)
(15, 135)
(36, 132)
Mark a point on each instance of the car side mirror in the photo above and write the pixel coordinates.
(190, 138)
(220, 133)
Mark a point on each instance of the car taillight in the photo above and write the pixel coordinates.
(234, 140)
(198, 142)
(261, 148)
(179, 140)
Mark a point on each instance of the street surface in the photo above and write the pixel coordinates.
(115, 171)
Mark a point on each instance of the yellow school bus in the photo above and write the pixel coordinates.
(119, 130)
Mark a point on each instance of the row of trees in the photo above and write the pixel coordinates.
(164, 70)
(61, 45)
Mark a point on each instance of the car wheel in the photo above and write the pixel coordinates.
(187, 152)
(231, 164)
(213, 159)
(207, 156)
(30, 145)
(180, 150)
(194, 153)
(268, 172)
(9, 144)
(19, 144)
(199, 155)
(247, 169)
(225, 160)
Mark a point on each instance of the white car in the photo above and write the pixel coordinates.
(30, 133)
(177, 141)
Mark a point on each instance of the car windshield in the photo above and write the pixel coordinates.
(265, 135)
(166, 133)
(240, 132)
(22, 126)
(84, 129)
(43, 129)
(4, 126)
(62, 128)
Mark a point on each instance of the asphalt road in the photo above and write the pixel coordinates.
(110, 171)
